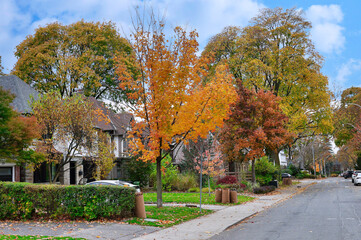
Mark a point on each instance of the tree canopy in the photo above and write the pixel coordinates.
(79, 56)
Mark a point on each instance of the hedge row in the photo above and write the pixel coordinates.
(28, 201)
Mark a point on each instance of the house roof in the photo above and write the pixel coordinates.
(110, 121)
(22, 92)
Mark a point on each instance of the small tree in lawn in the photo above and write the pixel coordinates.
(256, 125)
(169, 95)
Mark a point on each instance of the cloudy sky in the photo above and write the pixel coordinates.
(336, 30)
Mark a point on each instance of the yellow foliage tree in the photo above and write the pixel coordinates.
(170, 98)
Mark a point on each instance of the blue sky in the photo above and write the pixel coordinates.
(336, 28)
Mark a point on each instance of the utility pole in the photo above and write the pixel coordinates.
(313, 157)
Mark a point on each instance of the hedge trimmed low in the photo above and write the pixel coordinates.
(27, 201)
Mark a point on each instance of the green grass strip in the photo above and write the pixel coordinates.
(168, 216)
(171, 197)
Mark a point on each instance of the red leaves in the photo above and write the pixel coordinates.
(256, 123)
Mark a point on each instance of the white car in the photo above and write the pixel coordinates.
(115, 183)
(354, 175)
(357, 179)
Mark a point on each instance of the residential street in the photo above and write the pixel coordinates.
(329, 210)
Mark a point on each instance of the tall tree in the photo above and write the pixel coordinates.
(256, 125)
(347, 116)
(275, 53)
(173, 103)
(79, 56)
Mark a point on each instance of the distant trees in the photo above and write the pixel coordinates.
(79, 56)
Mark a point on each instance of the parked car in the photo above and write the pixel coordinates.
(286, 175)
(355, 174)
(357, 179)
(347, 174)
(115, 183)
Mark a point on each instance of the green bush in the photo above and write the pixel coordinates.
(265, 171)
(27, 201)
(184, 182)
(169, 176)
(204, 190)
(139, 171)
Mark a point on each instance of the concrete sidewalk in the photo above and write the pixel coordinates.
(212, 224)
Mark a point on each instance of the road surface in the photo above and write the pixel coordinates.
(330, 209)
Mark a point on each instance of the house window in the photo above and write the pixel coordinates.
(6, 174)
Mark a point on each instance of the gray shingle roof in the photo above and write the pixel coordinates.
(22, 92)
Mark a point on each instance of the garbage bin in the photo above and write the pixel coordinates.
(273, 183)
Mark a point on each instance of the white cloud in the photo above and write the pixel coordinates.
(327, 33)
(208, 17)
(346, 70)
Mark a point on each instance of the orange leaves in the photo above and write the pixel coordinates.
(171, 97)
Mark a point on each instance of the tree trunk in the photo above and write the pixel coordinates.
(159, 183)
(275, 157)
(253, 172)
(49, 173)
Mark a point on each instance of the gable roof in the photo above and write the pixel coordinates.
(22, 92)
(118, 123)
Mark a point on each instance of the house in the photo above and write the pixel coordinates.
(116, 125)
(81, 167)
(22, 104)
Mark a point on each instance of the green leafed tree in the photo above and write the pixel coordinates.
(67, 58)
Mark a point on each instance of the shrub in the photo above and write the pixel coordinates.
(265, 171)
(227, 180)
(334, 175)
(250, 186)
(169, 175)
(264, 189)
(27, 201)
(204, 190)
(184, 182)
(139, 171)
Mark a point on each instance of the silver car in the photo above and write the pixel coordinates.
(115, 183)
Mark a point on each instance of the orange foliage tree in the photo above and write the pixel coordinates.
(169, 95)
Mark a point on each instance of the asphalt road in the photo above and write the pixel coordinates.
(330, 209)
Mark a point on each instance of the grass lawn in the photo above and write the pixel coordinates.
(172, 197)
(34, 237)
(168, 216)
